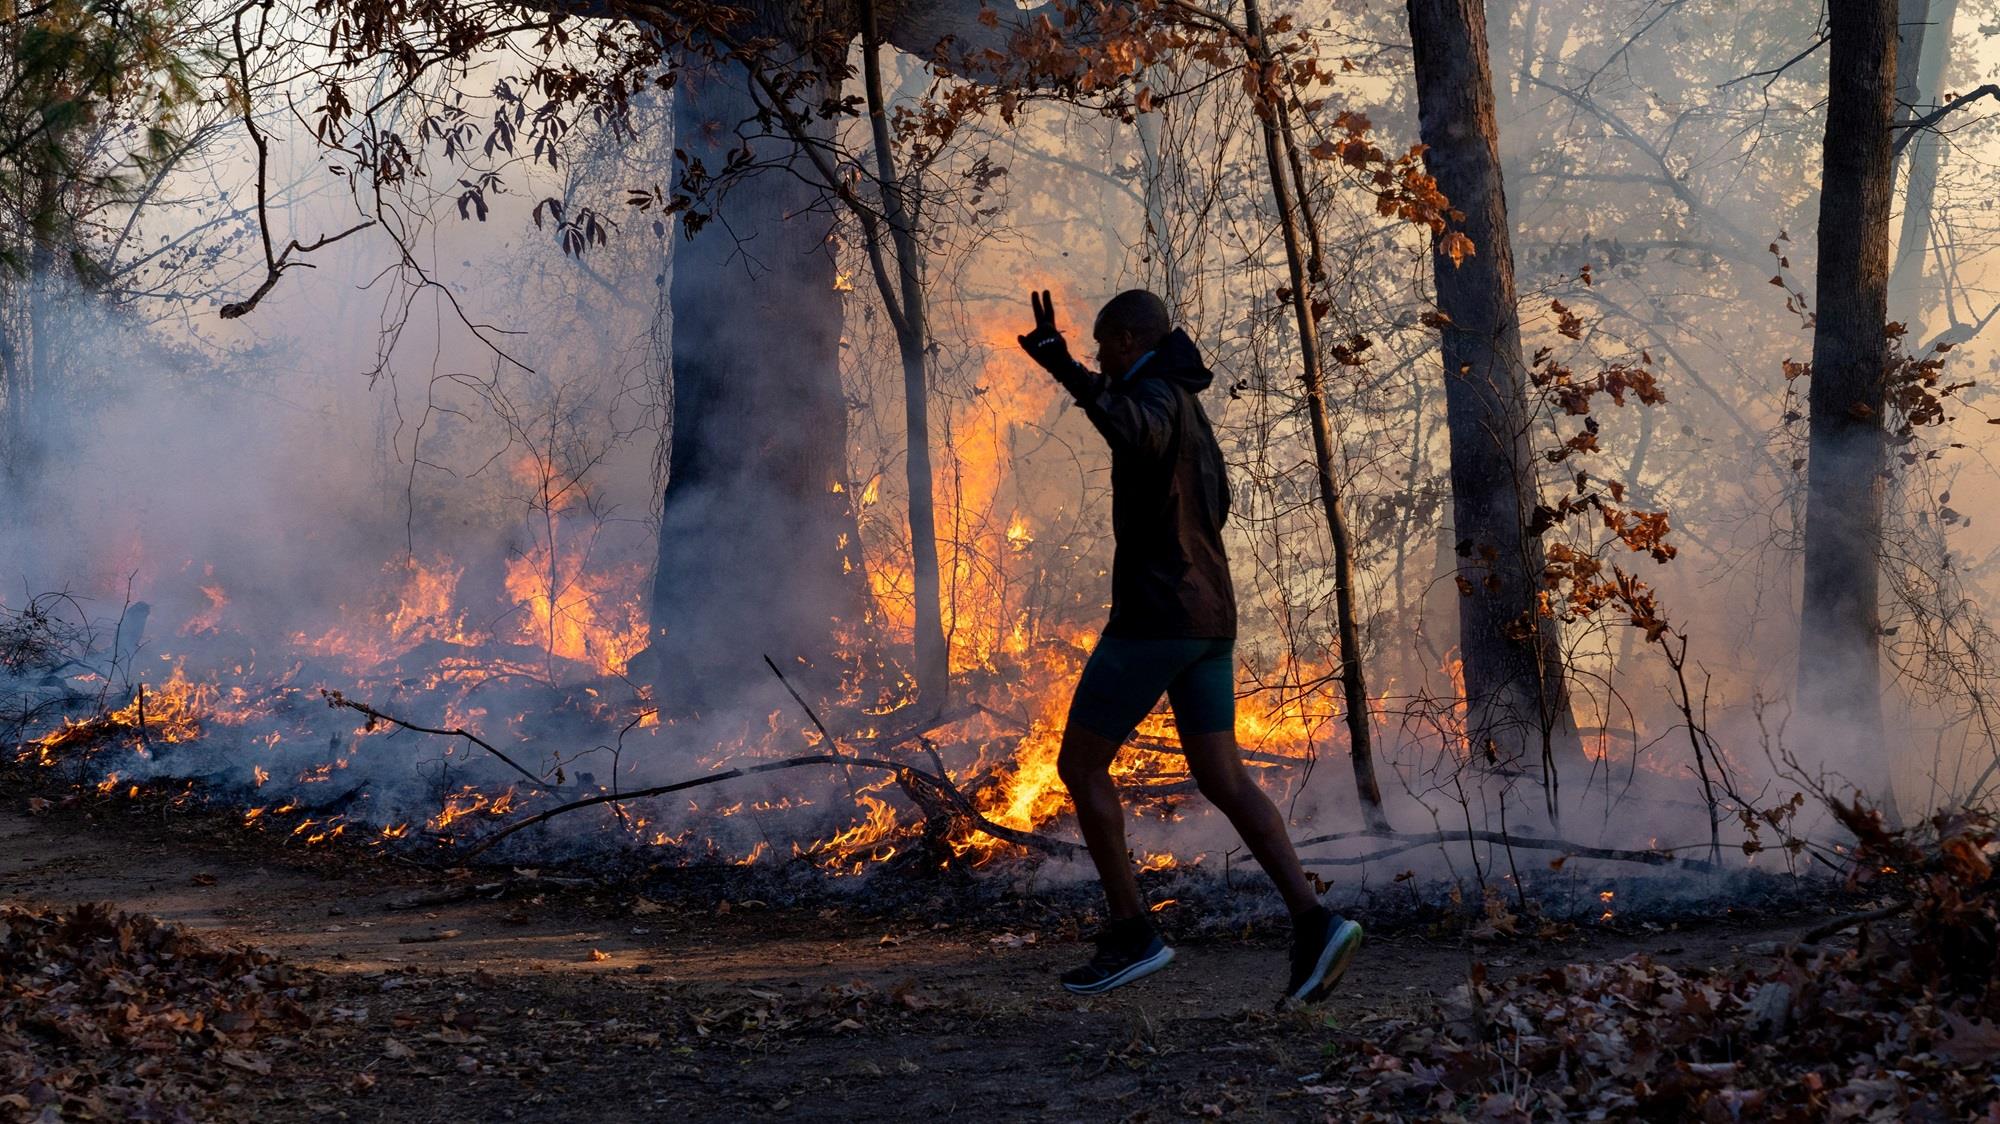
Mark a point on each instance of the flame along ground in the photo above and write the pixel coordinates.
(430, 649)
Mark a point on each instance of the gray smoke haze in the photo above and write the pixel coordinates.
(259, 458)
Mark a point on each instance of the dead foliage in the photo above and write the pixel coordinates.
(109, 1016)
(1900, 1028)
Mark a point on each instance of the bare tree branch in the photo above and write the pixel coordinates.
(1916, 124)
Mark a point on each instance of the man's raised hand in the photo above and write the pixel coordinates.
(1045, 345)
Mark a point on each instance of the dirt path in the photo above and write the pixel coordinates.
(539, 1000)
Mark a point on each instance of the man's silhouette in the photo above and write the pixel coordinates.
(1172, 630)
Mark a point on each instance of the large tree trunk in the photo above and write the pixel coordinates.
(1517, 694)
(759, 553)
(758, 550)
(1840, 697)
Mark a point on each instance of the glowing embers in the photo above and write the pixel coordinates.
(469, 802)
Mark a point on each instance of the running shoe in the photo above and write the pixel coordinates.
(1125, 952)
(1323, 944)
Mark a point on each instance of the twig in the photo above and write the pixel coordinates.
(1176, 749)
(1677, 660)
(821, 726)
(1155, 745)
(1819, 933)
(336, 699)
(1775, 72)
(1916, 125)
(1411, 842)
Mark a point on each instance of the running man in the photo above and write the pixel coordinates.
(1172, 630)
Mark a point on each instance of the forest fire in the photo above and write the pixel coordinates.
(425, 635)
(718, 487)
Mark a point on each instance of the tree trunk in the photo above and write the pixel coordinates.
(912, 322)
(1840, 623)
(758, 551)
(1925, 26)
(33, 355)
(1517, 693)
(1353, 676)
(759, 554)
(1159, 170)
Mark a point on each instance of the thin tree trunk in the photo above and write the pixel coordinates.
(1500, 48)
(1353, 673)
(910, 317)
(1158, 173)
(1926, 27)
(1840, 619)
(1517, 692)
(38, 349)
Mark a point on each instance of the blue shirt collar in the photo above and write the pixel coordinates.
(1134, 368)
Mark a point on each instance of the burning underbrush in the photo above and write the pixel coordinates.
(424, 715)
(449, 726)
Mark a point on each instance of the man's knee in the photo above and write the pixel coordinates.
(1220, 786)
(1217, 770)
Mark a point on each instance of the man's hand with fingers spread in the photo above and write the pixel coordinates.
(1046, 346)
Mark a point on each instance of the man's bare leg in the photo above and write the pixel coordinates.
(1084, 764)
(1218, 770)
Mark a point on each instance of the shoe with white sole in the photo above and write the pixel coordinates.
(1323, 944)
(1126, 951)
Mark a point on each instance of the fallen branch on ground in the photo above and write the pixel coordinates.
(936, 784)
(935, 793)
(1157, 745)
(1819, 933)
(1403, 842)
(336, 699)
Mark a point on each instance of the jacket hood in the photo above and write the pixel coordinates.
(1177, 360)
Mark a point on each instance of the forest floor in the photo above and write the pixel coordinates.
(536, 997)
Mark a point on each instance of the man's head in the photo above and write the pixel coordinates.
(1128, 326)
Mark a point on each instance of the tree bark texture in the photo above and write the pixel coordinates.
(758, 551)
(1840, 618)
(1516, 689)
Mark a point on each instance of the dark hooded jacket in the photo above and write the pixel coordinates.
(1169, 495)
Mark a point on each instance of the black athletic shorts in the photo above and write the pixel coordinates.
(1126, 676)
